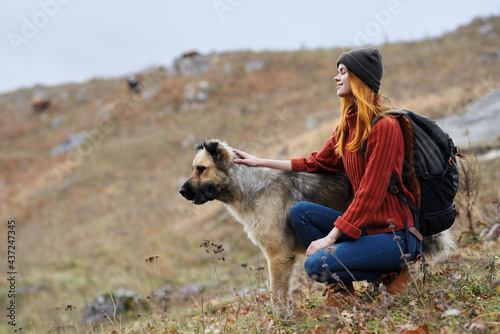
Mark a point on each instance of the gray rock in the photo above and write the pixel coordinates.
(254, 65)
(189, 93)
(197, 93)
(251, 291)
(493, 233)
(70, 143)
(204, 85)
(162, 294)
(196, 65)
(112, 304)
(201, 96)
(485, 29)
(191, 290)
(33, 288)
(56, 122)
(481, 121)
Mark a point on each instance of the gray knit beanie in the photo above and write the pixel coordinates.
(366, 64)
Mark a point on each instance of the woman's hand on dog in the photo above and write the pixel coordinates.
(246, 158)
(250, 160)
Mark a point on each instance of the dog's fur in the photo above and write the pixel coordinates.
(261, 199)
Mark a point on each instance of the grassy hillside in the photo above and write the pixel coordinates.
(86, 220)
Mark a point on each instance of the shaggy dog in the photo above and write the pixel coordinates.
(260, 199)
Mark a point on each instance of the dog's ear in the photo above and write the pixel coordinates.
(215, 149)
(199, 147)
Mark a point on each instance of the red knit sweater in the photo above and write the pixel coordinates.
(373, 204)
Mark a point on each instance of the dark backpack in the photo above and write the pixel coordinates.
(430, 172)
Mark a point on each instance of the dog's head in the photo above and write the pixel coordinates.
(210, 170)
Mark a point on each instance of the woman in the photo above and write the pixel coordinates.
(369, 239)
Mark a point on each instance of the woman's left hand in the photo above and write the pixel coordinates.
(246, 158)
(318, 245)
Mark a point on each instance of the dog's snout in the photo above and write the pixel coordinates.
(185, 191)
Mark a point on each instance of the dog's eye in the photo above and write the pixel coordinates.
(201, 169)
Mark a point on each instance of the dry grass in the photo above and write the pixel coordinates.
(89, 231)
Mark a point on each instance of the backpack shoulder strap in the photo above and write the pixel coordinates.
(409, 174)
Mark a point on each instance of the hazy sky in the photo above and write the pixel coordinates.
(55, 41)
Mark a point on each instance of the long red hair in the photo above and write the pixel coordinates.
(368, 105)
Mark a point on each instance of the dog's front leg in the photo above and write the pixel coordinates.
(280, 272)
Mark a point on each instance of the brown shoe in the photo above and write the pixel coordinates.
(395, 283)
(337, 296)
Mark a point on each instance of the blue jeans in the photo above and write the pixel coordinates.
(365, 258)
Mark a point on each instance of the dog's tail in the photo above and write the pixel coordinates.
(438, 246)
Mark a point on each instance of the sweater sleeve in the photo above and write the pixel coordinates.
(325, 160)
(381, 153)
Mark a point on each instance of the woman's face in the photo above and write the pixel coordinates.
(343, 83)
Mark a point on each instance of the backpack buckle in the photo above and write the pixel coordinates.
(458, 153)
(394, 189)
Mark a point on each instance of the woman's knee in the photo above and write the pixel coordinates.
(315, 269)
(297, 213)
(300, 207)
